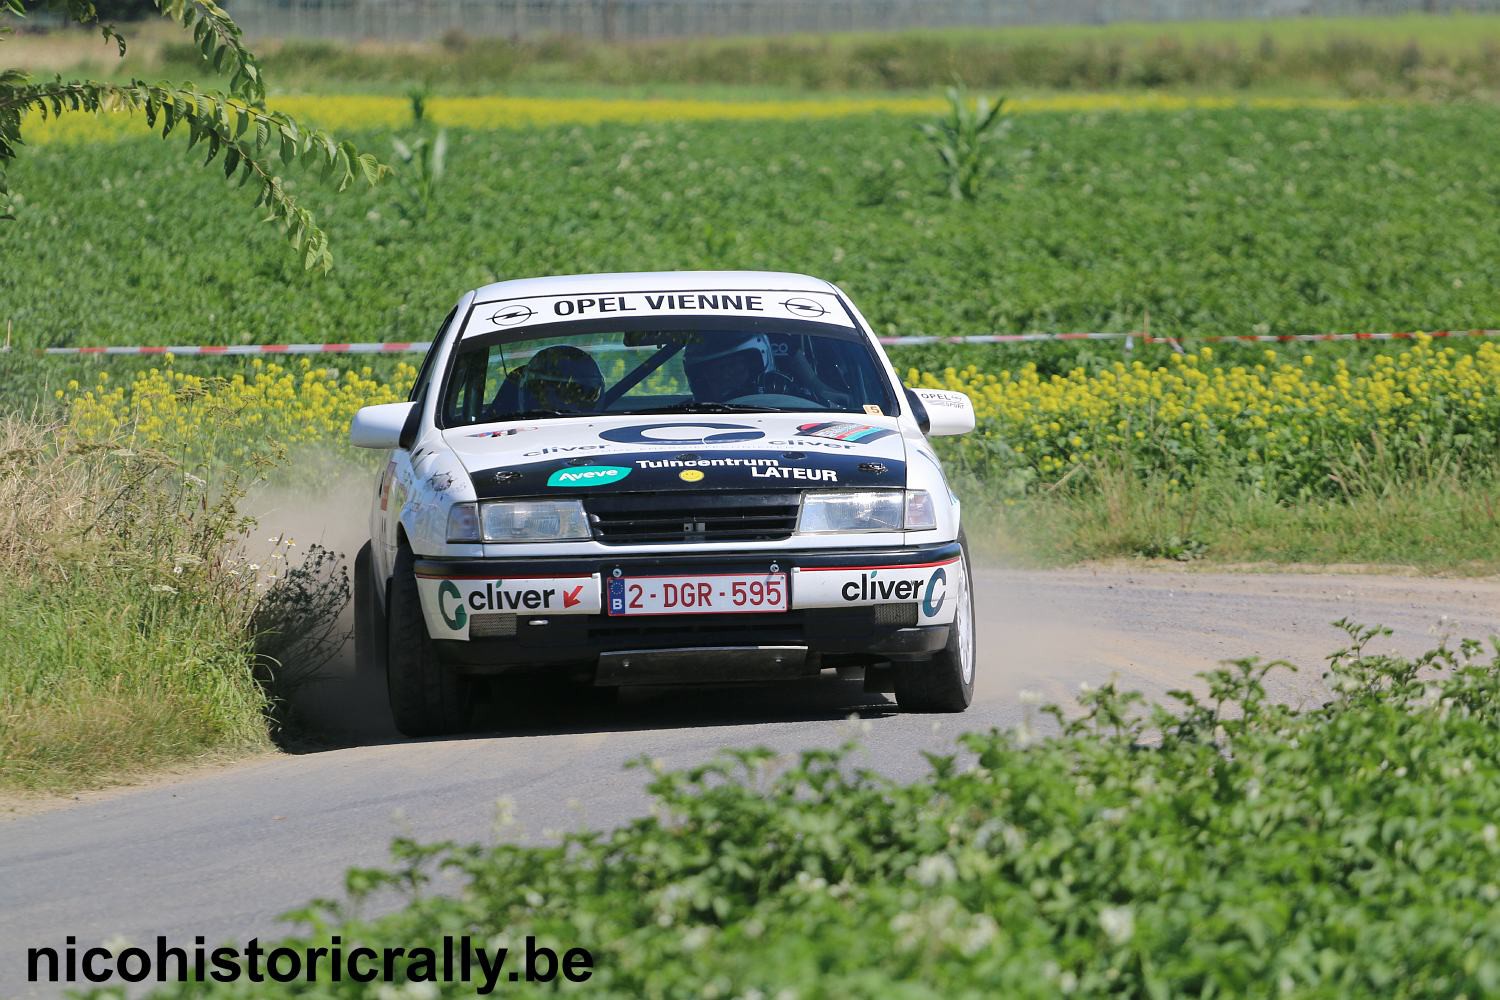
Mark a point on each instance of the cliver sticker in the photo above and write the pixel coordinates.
(450, 604)
(935, 589)
(840, 431)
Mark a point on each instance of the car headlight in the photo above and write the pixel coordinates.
(518, 521)
(867, 510)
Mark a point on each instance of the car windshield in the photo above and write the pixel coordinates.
(674, 364)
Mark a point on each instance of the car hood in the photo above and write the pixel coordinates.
(634, 454)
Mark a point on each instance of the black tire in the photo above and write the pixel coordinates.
(427, 697)
(369, 618)
(945, 683)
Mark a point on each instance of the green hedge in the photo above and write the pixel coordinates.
(1228, 846)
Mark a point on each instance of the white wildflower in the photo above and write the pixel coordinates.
(810, 883)
(1491, 836)
(934, 870)
(1030, 697)
(1118, 923)
(695, 938)
(980, 933)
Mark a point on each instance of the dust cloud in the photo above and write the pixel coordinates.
(343, 701)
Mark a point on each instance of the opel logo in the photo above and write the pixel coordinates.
(511, 315)
(804, 307)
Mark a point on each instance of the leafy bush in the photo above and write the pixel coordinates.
(297, 627)
(1228, 846)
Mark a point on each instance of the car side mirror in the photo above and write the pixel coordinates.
(947, 412)
(381, 426)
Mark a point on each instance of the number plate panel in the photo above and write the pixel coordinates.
(703, 594)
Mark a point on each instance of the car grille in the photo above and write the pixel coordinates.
(636, 519)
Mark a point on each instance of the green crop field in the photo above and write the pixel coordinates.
(1222, 221)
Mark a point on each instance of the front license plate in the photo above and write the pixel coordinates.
(708, 594)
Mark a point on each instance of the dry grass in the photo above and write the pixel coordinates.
(124, 638)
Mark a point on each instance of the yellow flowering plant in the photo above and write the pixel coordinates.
(220, 420)
(1287, 426)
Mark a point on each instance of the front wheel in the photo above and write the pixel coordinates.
(427, 697)
(945, 683)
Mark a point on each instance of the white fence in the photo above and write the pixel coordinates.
(411, 20)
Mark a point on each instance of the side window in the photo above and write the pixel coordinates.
(420, 385)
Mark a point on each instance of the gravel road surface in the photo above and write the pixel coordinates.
(222, 853)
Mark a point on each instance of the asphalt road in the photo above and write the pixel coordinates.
(222, 853)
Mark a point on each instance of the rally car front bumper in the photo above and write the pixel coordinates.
(863, 628)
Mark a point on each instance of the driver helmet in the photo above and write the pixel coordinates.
(729, 357)
(561, 378)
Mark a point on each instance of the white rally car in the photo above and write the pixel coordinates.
(681, 477)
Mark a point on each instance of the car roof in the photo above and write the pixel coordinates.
(652, 281)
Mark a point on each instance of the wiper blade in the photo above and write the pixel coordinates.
(693, 406)
(535, 414)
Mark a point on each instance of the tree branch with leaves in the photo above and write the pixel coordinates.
(255, 142)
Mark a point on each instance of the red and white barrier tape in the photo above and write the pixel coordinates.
(420, 346)
(407, 347)
(1146, 338)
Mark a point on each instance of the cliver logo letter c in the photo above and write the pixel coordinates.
(448, 589)
(932, 602)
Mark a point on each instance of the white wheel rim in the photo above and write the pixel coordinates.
(964, 622)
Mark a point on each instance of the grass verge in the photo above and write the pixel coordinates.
(1443, 525)
(124, 639)
(1349, 850)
